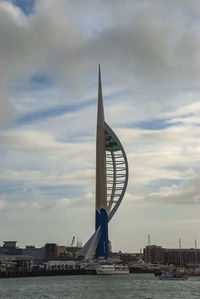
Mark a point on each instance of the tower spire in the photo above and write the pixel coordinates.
(101, 185)
(100, 152)
(100, 114)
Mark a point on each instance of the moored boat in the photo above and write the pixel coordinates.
(110, 269)
(172, 276)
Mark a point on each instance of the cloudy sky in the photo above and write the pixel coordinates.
(149, 51)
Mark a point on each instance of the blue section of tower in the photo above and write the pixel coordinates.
(97, 252)
(102, 247)
(104, 234)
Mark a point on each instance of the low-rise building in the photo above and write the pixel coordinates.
(154, 254)
(10, 248)
(60, 250)
(15, 262)
(177, 257)
(38, 254)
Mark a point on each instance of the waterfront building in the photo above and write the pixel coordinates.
(60, 250)
(175, 256)
(15, 262)
(154, 254)
(38, 254)
(50, 251)
(111, 183)
(127, 258)
(182, 257)
(10, 248)
(71, 252)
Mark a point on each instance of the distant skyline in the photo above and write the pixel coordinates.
(149, 53)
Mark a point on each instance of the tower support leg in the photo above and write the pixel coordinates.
(97, 224)
(103, 242)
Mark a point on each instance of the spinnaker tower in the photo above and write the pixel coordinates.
(111, 182)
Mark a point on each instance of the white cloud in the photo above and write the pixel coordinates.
(2, 205)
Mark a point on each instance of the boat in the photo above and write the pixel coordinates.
(110, 269)
(172, 276)
(142, 267)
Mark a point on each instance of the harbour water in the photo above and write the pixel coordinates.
(137, 286)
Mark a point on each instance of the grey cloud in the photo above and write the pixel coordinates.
(153, 44)
(41, 43)
(185, 194)
(146, 44)
(145, 54)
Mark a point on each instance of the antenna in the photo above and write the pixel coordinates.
(180, 250)
(179, 240)
(195, 243)
(149, 240)
(149, 243)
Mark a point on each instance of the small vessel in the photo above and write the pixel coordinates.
(110, 269)
(172, 276)
(142, 267)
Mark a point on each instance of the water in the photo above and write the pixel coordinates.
(137, 286)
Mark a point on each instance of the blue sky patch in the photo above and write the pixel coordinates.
(155, 124)
(40, 80)
(10, 187)
(155, 185)
(62, 191)
(38, 115)
(27, 6)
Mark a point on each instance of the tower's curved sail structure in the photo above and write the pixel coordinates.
(111, 183)
(117, 171)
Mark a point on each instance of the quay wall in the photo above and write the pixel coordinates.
(11, 274)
